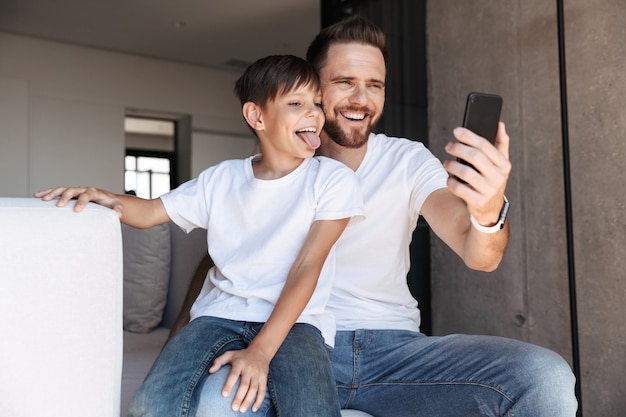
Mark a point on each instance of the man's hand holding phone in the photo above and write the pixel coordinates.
(481, 170)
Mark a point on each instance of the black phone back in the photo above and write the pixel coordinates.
(482, 114)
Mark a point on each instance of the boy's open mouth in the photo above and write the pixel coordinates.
(309, 136)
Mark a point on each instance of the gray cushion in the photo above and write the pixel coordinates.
(146, 276)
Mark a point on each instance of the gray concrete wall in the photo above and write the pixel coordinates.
(511, 48)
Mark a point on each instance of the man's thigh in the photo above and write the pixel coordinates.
(399, 373)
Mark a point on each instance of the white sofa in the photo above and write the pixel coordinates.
(69, 283)
(61, 300)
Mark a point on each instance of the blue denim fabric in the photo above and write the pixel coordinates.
(212, 404)
(173, 385)
(390, 373)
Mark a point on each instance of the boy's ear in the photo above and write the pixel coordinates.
(252, 114)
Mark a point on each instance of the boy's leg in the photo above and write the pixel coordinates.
(301, 379)
(300, 382)
(399, 373)
(171, 388)
(212, 404)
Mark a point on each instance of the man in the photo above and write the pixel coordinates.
(382, 364)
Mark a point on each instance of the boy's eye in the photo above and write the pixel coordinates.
(294, 103)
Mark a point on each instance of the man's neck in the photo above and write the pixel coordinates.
(351, 157)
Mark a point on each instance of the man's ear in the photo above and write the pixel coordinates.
(252, 114)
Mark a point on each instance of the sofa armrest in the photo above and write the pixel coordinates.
(61, 300)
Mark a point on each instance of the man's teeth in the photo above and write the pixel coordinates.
(354, 116)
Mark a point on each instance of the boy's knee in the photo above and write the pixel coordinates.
(138, 410)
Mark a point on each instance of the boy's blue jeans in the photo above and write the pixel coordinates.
(391, 373)
(180, 373)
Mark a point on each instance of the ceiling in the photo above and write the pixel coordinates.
(227, 34)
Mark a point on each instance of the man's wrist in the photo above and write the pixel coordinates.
(496, 227)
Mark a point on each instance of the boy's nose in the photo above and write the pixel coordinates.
(315, 111)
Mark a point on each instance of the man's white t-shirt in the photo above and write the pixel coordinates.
(370, 289)
(255, 229)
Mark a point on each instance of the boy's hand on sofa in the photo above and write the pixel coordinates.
(250, 367)
(133, 211)
(82, 195)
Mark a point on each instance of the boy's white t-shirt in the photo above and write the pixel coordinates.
(255, 230)
(370, 289)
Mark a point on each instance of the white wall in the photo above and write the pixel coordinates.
(62, 112)
(229, 146)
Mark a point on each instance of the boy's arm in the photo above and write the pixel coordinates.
(251, 365)
(133, 211)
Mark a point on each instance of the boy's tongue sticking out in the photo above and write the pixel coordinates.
(310, 138)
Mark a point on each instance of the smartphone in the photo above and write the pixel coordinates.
(482, 114)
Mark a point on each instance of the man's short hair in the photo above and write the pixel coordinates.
(352, 29)
(274, 75)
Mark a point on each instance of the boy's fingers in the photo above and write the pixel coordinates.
(245, 395)
(50, 193)
(43, 193)
(259, 398)
(229, 385)
(70, 193)
(242, 391)
(81, 201)
(220, 361)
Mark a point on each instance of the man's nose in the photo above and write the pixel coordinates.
(359, 94)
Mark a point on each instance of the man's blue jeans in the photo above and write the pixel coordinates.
(180, 373)
(401, 373)
(390, 373)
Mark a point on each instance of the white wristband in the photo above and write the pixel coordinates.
(496, 227)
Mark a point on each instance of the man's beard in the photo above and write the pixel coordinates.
(355, 138)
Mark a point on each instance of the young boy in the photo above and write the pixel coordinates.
(272, 221)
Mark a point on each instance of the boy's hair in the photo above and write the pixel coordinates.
(352, 29)
(272, 76)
